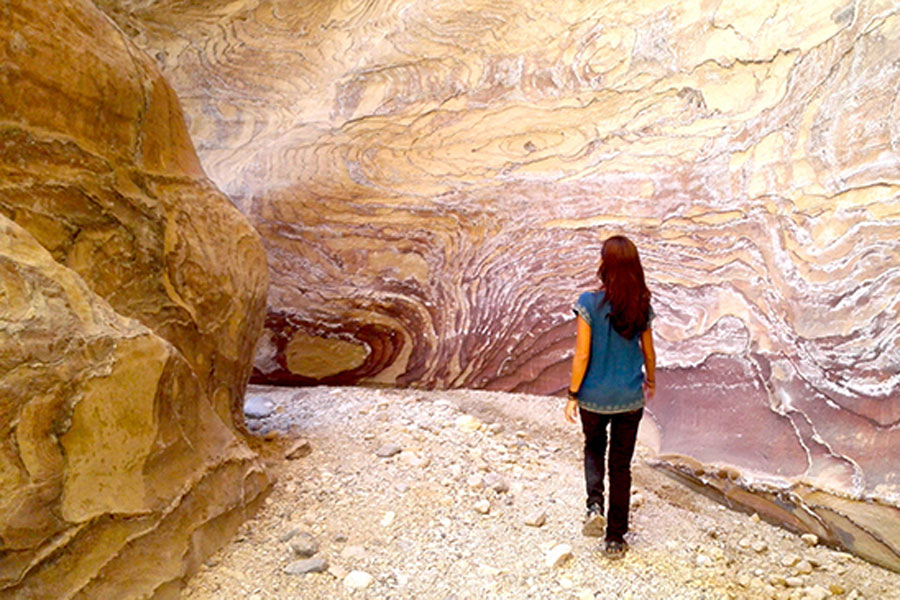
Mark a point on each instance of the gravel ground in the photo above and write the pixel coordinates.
(440, 495)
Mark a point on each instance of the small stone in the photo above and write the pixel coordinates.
(744, 543)
(482, 506)
(755, 518)
(759, 546)
(703, 561)
(536, 518)
(803, 568)
(307, 565)
(474, 481)
(744, 580)
(388, 450)
(789, 560)
(488, 571)
(286, 537)
(853, 595)
(467, 423)
(776, 580)
(337, 571)
(388, 518)
(358, 580)
(793, 582)
(810, 539)
(637, 500)
(298, 449)
(837, 589)
(558, 555)
(816, 592)
(496, 483)
(304, 545)
(340, 538)
(414, 459)
(258, 407)
(495, 428)
(353, 553)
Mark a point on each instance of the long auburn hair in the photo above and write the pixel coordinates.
(623, 279)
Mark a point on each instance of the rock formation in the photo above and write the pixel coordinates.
(433, 182)
(131, 298)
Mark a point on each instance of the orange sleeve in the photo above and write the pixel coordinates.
(582, 353)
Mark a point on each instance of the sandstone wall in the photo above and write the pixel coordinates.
(131, 298)
(433, 181)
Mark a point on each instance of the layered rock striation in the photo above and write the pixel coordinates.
(131, 298)
(433, 183)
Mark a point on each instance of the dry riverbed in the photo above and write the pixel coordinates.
(465, 495)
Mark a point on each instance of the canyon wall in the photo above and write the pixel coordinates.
(132, 294)
(433, 182)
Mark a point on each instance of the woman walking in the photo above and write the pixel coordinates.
(613, 343)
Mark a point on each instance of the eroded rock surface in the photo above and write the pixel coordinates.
(433, 181)
(131, 296)
(97, 164)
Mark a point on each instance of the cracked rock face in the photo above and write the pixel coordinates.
(433, 183)
(131, 295)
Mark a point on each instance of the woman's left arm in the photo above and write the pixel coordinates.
(579, 365)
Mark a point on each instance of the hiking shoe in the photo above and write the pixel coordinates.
(615, 549)
(594, 523)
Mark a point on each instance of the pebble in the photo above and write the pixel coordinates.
(304, 545)
(810, 539)
(286, 537)
(482, 506)
(496, 483)
(353, 553)
(793, 582)
(388, 450)
(803, 568)
(703, 561)
(467, 423)
(789, 560)
(258, 407)
(536, 518)
(298, 449)
(558, 555)
(759, 546)
(816, 592)
(307, 565)
(358, 580)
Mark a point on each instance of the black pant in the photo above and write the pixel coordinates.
(623, 434)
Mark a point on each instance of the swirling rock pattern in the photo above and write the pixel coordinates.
(433, 180)
(131, 297)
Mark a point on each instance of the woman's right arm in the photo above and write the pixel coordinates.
(649, 362)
